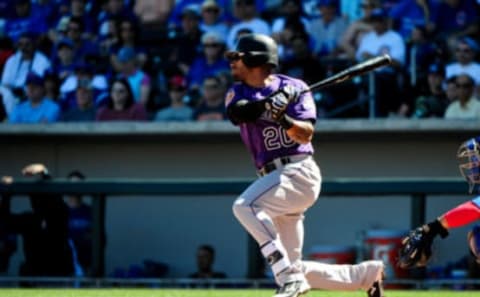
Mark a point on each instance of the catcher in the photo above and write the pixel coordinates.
(416, 248)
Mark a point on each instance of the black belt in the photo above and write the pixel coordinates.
(271, 166)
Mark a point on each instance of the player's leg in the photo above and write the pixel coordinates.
(255, 208)
(343, 277)
(324, 276)
(271, 196)
(291, 232)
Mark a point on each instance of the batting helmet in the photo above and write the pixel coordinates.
(469, 158)
(256, 50)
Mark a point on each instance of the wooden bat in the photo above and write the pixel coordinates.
(350, 72)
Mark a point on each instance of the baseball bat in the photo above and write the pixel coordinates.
(350, 72)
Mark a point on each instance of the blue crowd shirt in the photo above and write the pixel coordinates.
(14, 27)
(200, 70)
(46, 112)
(409, 14)
(448, 19)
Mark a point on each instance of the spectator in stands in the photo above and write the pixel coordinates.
(205, 259)
(451, 89)
(80, 227)
(381, 41)
(435, 101)
(351, 9)
(302, 64)
(289, 10)
(108, 43)
(52, 86)
(8, 240)
(247, 14)
(211, 19)
(50, 10)
(25, 21)
(140, 82)
(113, 9)
(421, 53)
(14, 75)
(454, 19)
(178, 110)
(121, 104)
(153, 13)
(465, 52)
(83, 48)
(58, 32)
(85, 109)
(128, 37)
(69, 86)
(467, 105)
(37, 108)
(44, 230)
(211, 107)
(180, 5)
(408, 14)
(154, 27)
(210, 62)
(350, 40)
(63, 63)
(78, 9)
(292, 26)
(328, 29)
(189, 39)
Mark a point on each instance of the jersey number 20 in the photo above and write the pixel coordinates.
(275, 138)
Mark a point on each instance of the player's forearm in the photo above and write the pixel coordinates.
(299, 131)
(461, 215)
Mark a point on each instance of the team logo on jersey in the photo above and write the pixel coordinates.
(229, 97)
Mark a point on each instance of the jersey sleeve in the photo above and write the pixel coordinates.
(304, 108)
(232, 96)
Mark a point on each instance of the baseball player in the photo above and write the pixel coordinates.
(416, 248)
(276, 124)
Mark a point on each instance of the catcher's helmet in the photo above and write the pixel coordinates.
(255, 50)
(469, 157)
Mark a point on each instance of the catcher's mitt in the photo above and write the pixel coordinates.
(416, 249)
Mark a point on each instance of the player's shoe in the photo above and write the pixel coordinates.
(376, 290)
(293, 289)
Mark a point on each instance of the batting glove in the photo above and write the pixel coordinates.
(279, 101)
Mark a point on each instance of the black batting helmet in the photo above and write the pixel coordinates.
(256, 50)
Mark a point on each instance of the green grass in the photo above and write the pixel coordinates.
(211, 293)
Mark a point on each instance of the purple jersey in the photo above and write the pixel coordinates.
(266, 139)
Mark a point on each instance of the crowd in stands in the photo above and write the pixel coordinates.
(147, 60)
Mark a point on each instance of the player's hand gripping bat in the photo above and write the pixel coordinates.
(350, 72)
